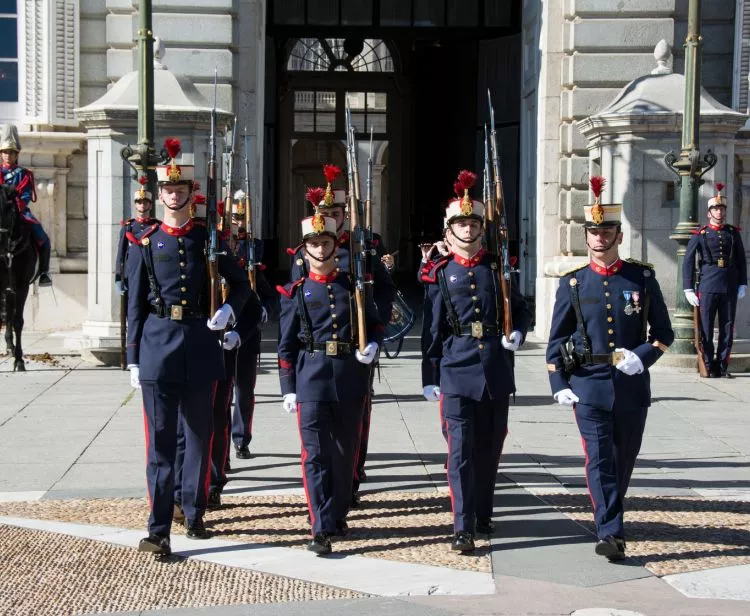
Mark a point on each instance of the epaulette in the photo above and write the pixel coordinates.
(288, 290)
(699, 230)
(293, 251)
(144, 236)
(429, 270)
(573, 270)
(641, 263)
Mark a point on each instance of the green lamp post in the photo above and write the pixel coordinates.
(690, 168)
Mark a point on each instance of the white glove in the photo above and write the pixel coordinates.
(221, 319)
(263, 314)
(565, 396)
(135, 373)
(290, 403)
(630, 364)
(691, 297)
(120, 287)
(514, 342)
(741, 290)
(368, 355)
(231, 340)
(431, 393)
(442, 248)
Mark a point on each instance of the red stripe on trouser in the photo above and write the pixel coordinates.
(448, 466)
(586, 468)
(207, 478)
(148, 443)
(304, 475)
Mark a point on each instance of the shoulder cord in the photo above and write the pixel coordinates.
(452, 315)
(575, 300)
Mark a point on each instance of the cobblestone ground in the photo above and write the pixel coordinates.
(675, 534)
(46, 574)
(410, 527)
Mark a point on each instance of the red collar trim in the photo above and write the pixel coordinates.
(343, 238)
(178, 231)
(475, 260)
(145, 219)
(606, 271)
(716, 227)
(324, 279)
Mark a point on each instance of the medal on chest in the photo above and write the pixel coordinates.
(631, 302)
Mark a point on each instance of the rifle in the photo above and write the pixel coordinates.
(356, 240)
(249, 243)
(697, 330)
(226, 219)
(497, 229)
(368, 201)
(214, 291)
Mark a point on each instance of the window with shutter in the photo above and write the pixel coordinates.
(741, 85)
(49, 61)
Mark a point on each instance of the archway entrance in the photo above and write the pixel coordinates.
(417, 73)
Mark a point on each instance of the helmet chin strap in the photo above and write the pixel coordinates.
(319, 260)
(178, 207)
(606, 248)
(462, 241)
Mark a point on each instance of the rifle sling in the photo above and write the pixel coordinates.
(148, 262)
(304, 320)
(576, 301)
(452, 315)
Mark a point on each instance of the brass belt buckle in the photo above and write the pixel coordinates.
(477, 329)
(720, 262)
(332, 348)
(617, 357)
(176, 313)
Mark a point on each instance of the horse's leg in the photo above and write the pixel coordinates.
(22, 292)
(9, 305)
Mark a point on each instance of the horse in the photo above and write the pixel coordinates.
(17, 266)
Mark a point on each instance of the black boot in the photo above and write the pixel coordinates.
(44, 256)
(214, 499)
(196, 530)
(485, 526)
(463, 541)
(155, 544)
(243, 453)
(320, 544)
(613, 548)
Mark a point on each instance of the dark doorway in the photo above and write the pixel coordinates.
(441, 64)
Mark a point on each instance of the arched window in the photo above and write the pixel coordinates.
(335, 54)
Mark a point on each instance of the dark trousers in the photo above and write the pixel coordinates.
(244, 399)
(329, 432)
(162, 403)
(723, 305)
(475, 432)
(364, 438)
(611, 442)
(222, 409)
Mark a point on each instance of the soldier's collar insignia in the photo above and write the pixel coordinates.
(178, 231)
(606, 271)
(324, 279)
(475, 260)
(343, 238)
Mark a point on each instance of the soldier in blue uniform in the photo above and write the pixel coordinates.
(174, 351)
(332, 203)
(722, 281)
(466, 363)
(609, 325)
(12, 174)
(325, 378)
(132, 229)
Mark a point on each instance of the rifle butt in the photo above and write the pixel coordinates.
(359, 298)
(702, 370)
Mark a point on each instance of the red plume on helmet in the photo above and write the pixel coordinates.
(458, 189)
(466, 179)
(719, 187)
(331, 172)
(597, 183)
(143, 180)
(173, 146)
(199, 198)
(315, 195)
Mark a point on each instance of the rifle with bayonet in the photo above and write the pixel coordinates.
(212, 217)
(357, 248)
(368, 206)
(249, 235)
(225, 221)
(497, 227)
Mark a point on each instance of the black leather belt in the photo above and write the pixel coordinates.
(334, 348)
(177, 313)
(477, 329)
(611, 359)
